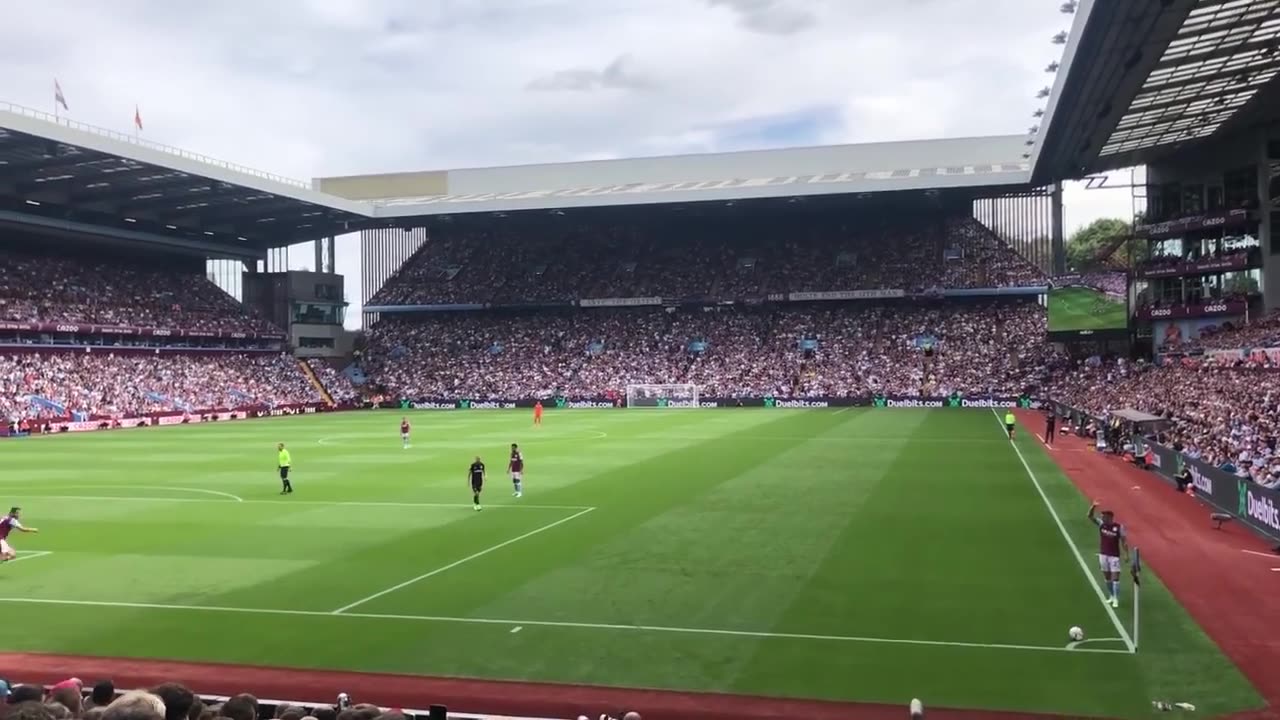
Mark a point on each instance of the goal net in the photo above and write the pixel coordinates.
(663, 396)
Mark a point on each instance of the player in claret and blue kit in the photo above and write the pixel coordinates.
(404, 433)
(515, 466)
(1111, 546)
(8, 524)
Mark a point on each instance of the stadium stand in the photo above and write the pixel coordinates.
(1227, 417)
(843, 350)
(72, 288)
(747, 259)
(338, 384)
(106, 385)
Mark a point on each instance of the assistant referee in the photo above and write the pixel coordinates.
(284, 461)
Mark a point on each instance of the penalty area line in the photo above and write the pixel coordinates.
(1075, 551)
(525, 624)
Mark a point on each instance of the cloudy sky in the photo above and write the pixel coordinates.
(308, 88)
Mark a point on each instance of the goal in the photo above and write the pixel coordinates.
(663, 396)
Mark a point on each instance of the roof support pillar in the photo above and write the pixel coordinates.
(1059, 243)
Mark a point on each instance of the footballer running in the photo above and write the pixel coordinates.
(1111, 546)
(8, 524)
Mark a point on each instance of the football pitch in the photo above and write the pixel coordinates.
(853, 554)
(1081, 308)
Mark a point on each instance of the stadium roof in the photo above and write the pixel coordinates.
(1142, 79)
(64, 174)
(72, 178)
(984, 162)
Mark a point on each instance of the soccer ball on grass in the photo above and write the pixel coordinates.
(1075, 633)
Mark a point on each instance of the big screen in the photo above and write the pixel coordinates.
(1093, 302)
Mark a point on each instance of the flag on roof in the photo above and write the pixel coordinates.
(58, 96)
(137, 117)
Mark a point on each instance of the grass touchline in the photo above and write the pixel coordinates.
(566, 624)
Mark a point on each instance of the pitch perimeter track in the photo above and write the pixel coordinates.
(1221, 587)
(516, 699)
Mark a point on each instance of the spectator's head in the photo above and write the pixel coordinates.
(240, 707)
(103, 693)
(197, 709)
(177, 700)
(70, 697)
(135, 705)
(26, 693)
(58, 711)
(29, 710)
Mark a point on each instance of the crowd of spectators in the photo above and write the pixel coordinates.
(131, 385)
(561, 264)
(71, 700)
(846, 349)
(1228, 417)
(71, 289)
(337, 383)
(1115, 284)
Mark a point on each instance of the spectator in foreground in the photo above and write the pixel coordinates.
(240, 707)
(103, 693)
(135, 705)
(177, 700)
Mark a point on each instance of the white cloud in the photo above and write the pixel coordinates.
(326, 87)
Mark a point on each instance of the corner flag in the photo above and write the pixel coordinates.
(1136, 569)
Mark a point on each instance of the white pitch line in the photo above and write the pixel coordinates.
(30, 555)
(321, 503)
(843, 410)
(456, 563)
(1077, 643)
(517, 628)
(1261, 554)
(559, 624)
(201, 491)
(1084, 567)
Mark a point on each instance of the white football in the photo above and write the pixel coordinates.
(1075, 634)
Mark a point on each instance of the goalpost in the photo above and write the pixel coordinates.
(676, 395)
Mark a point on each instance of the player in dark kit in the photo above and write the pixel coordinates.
(1050, 427)
(475, 476)
(1111, 546)
(404, 433)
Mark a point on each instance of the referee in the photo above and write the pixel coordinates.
(284, 461)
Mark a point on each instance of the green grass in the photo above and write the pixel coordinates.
(871, 555)
(1079, 308)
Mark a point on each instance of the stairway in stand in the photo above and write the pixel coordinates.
(315, 381)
